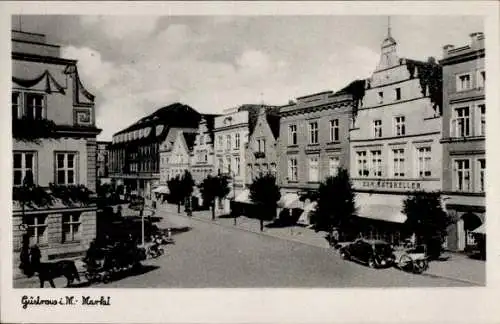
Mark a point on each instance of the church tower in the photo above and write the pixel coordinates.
(388, 55)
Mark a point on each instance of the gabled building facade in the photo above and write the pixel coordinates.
(51, 106)
(463, 139)
(202, 160)
(175, 155)
(262, 149)
(231, 132)
(394, 141)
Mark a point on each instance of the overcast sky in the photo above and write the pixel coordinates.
(135, 65)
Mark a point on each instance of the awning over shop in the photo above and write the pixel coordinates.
(480, 230)
(161, 189)
(382, 212)
(311, 206)
(380, 207)
(243, 197)
(290, 201)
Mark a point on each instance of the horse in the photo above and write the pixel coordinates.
(48, 271)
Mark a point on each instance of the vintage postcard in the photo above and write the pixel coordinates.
(250, 162)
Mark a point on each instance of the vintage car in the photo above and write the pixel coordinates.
(374, 253)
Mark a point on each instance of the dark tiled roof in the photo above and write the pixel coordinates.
(174, 115)
(274, 123)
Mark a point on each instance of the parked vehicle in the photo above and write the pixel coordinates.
(374, 253)
(412, 259)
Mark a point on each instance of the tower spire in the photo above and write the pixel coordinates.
(389, 27)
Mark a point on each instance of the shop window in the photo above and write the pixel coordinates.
(71, 227)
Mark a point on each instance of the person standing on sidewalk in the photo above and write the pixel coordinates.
(25, 264)
(35, 257)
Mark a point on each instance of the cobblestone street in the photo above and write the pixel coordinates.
(214, 255)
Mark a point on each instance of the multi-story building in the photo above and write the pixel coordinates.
(262, 149)
(54, 141)
(314, 139)
(463, 138)
(231, 132)
(102, 159)
(175, 158)
(135, 151)
(202, 160)
(394, 141)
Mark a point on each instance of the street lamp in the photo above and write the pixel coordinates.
(234, 196)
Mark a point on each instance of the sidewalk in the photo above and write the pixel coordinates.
(457, 267)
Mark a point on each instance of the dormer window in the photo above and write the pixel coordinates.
(35, 103)
(380, 97)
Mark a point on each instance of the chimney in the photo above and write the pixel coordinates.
(476, 40)
(446, 48)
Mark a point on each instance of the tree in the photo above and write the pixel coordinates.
(213, 188)
(427, 220)
(265, 193)
(336, 203)
(175, 189)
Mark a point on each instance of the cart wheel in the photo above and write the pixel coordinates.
(372, 263)
(344, 255)
(419, 266)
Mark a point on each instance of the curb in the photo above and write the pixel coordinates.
(253, 231)
(432, 275)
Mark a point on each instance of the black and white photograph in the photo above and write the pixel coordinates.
(246, 151)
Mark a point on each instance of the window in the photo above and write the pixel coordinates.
(424, 161)
(313, 132)
(221, 141)
(313, 168)
(34, 105)
(261, 145)
(23, 163)
(377, 128)
(221, 165)
(462, 175)
(399, 126)
(71, 227)
(16, 104)
(362, 164)
(37, 228)
(237, 165)
(463, 82)
(398, 166)
(482, 119)
(333, 165)
(228, 164)
(292, 169)
(380, 97)
(482, 168)
(376, 163)
(228, 142)
(334, 130)
(460, 124)
(398, 93)
(205, 155)
(481, 79)
(65, 168)
(292, 134)
(202, 140)
(237, 140)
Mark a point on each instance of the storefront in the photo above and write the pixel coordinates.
(380, 216)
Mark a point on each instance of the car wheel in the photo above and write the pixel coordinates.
(371, 263)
